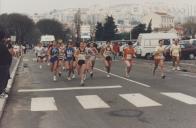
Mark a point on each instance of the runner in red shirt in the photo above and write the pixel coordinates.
(129, 54)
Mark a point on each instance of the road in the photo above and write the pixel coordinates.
(142, 101)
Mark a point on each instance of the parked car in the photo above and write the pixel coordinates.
(188, 51)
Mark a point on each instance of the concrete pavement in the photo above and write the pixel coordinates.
(142, 101)
(13, 69)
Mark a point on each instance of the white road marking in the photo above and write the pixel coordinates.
(43, 104)
(139, 83)
(91, 102)
(181, 97)
(71, 88)
(25, 60)
(188, 75)
(140, 100)
(34, 59)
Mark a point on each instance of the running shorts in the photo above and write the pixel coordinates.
(108, 58)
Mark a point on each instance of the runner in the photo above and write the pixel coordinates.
(69, 58)
(129, 54)
(54, 53)
(80, 55)
(159, 58)
(48, 53)
(74, 64)
(61, 58)
(107, 54)
(40, 54)
(92, 59)
(175, 52)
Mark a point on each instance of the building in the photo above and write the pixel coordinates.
(160, 20)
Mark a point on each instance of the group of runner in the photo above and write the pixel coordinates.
(71, 59)
(68, 58)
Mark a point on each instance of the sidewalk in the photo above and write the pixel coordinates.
(13, 69)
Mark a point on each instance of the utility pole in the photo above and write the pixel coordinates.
(78, 23)
(0, 6)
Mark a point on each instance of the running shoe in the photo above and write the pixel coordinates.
(127, 75)
(174, 68)
(84, 76)
(108, 75)
(4, 95)
(91, 74)
(163, 77)
(54, 78)
(178, 68)
(40, 66)
(73, 76)
(60, 74)
(69, 78)
(82, 83)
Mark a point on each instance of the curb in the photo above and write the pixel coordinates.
(9, 86)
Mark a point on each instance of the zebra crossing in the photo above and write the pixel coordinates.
(91, 102)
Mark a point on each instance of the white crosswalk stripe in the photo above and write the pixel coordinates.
(91, 102)
(43, 104)
(88, 102)
(139, 100)
(181, 97)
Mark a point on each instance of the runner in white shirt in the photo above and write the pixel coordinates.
(93, 52)
(175, 52)
(80, 55)
(159, 58)
(40, 54)
(107, 55)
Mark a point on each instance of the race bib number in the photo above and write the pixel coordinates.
(81, 57)
(129, 56)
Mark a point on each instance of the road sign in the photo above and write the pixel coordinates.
(85, 32)
(13, 38)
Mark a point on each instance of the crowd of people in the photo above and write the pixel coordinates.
(81, 59)
(71, 59)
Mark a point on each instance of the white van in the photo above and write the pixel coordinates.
(45, 39)
(147, 42)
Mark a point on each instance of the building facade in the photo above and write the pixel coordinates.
(160, 20)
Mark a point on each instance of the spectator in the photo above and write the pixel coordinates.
(116, 49)
(5, 63)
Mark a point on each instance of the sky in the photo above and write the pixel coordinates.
(41, 6)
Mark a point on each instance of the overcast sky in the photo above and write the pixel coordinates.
(40, 6)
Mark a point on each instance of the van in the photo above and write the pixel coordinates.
(147, 42)
(46, 39)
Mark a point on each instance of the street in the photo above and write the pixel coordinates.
(141, 101)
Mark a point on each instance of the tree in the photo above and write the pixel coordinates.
(51, 27)
(99, 32)
(123, 36)
(149, 28)
(17, 24)
(190, 28)
(141, 28)
(33, 37)
(110, 28)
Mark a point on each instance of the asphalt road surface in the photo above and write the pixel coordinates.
(142, 101)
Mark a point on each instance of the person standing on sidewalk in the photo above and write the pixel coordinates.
(5, 63)
(175, 52)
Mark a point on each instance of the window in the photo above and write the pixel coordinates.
(194, 43)
(147, 43)
(166, 41)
